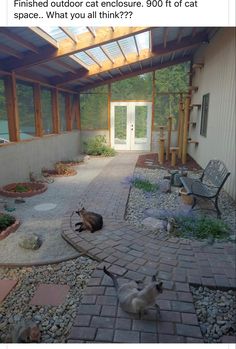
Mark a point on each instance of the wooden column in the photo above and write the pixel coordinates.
(78, 118)
(161, 150)
(109, 112)
(55, 111)
(169, 137)
(12, 107)
(68, 113)
(38, 111)
(153, 104)
(180, 126)
(185, 130)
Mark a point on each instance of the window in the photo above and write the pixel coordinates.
(4, 132)
(25, 98)
(93, 109)
(46, 98)
(62, 111)
(204, 117)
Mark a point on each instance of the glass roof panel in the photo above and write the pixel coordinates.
(113, 49)
(97, 52)
(128, 45)
(58, 34)
(143, 40)
(84, 58)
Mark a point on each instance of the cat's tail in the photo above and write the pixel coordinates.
(112, 276)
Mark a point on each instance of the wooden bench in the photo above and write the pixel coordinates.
(209, 185)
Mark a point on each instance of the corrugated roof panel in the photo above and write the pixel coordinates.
(113, 49)
(28, 35)
(128, 45)
(84, 58)
(98, 53)
(12, 44)
(143, 40)
(55, 32)
(172, 34)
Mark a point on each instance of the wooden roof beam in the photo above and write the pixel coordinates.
(138, 72)
(10, 51)
(45, 36)
(186, 43)
(20, 41)
(136, 45)
(92, 32)
(69, 33)
(122, 51)
(67, 47)
(66, 66)
(165, 37)
(91, 56)
(173, 46)
(107, 54)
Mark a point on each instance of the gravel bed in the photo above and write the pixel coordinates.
(55, 322)
(139, 201)
(216, 312)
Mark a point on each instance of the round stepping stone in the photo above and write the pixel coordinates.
(45, 207)
(153, 223)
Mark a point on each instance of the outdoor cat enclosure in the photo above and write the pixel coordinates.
(133, 83)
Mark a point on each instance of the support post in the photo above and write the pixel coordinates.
(109, 112)
(180, 126)
(185, 129)
(38, 111)
(169, 137)
(68, 113)
(153, 104)
(55, 111)
(78, 118)
(12, 107)
(161, 150)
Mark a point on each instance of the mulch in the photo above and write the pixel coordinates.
(150, 160)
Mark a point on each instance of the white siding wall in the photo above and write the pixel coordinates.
(217, 77)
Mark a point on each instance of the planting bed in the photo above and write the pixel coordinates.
(26, 189)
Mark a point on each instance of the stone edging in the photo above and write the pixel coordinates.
(39, 189)
(11, 229)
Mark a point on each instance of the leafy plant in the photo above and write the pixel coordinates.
(201, 227)
(19, 188)
(62, 169)
(144, 184)
(5, 221)
(98, 146)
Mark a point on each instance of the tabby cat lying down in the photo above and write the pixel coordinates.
(90, 221)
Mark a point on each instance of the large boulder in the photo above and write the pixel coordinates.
(30, 242)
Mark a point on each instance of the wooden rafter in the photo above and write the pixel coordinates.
(194, 31)
(120, 72)
(113, 29)
(138, 72)
(136, 45)
(165, 37)
(66, 66)
(173, 46)
(107, 54)
(10, 51)
(45, 36)
(179, 35)
(56, 72)
(69, 33)
(94, 59)
(151, 40)
(20, 41)
(92, 31)
(79, 61)
(122, 51)
(67, 47)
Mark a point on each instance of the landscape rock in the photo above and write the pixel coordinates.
(153, 223)
(165, 186)
(30, 242)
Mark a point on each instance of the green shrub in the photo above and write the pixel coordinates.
(98, 146)
(201, 228)
(5, 221)
(144, 185)
(21, 188)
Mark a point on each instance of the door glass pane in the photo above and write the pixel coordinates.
(140, 124)
(120, 124)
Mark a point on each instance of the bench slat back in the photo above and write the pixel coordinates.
(216, 173)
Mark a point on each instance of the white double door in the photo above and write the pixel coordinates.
(131, 125)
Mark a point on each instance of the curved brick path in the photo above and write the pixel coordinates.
(136, 254)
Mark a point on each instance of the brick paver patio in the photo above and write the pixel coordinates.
(134, 253)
